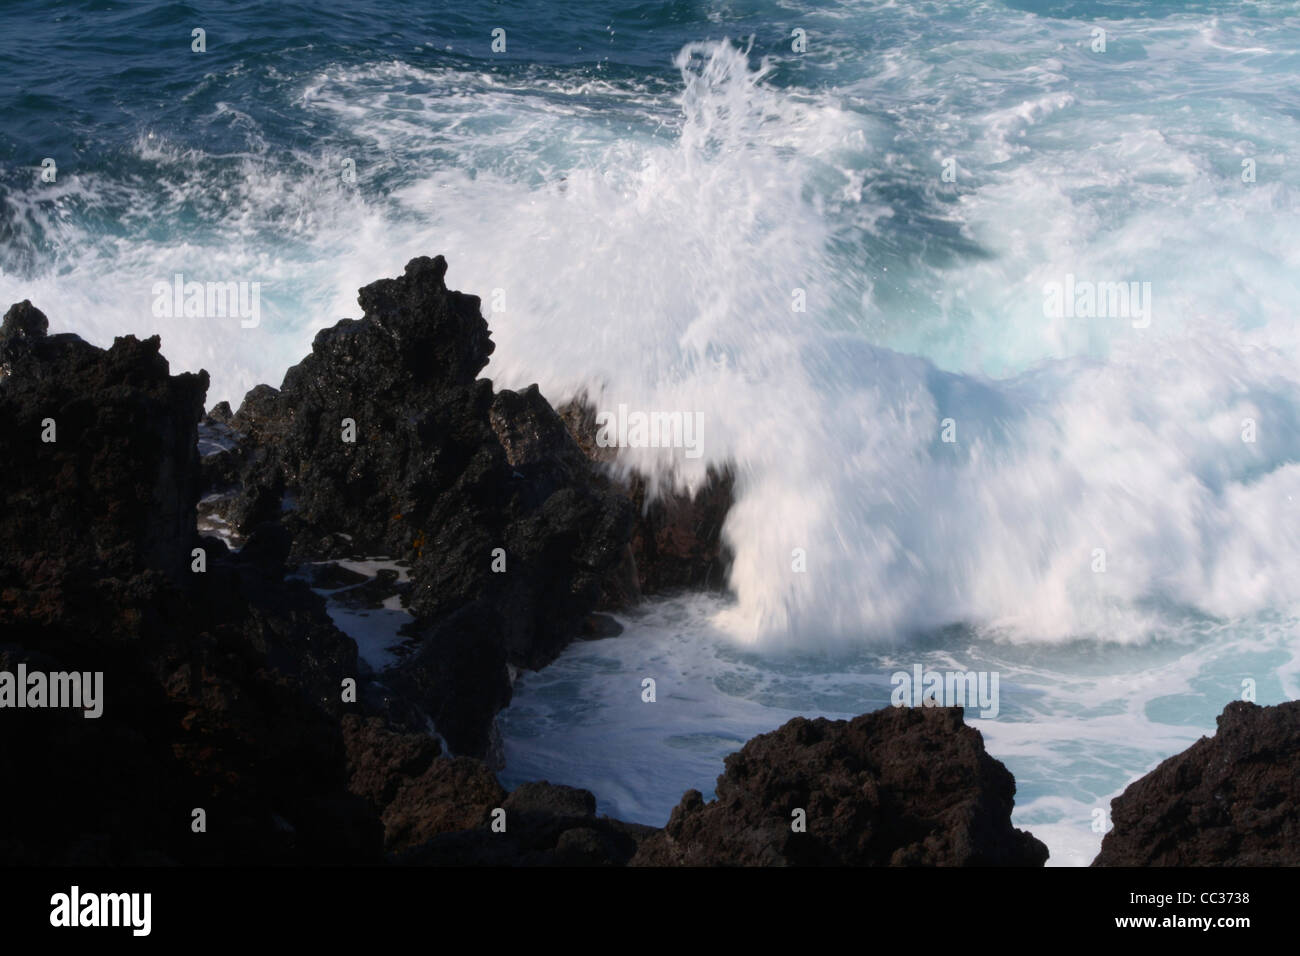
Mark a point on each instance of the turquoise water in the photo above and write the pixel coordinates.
(641, 196)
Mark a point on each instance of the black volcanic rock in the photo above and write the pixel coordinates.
(403, 378)
(115, 491)
(418, 793)
(221, 688)
(546, 824)
(897, 787)
(460, 678)
(509, 531)
(439, 811)
(1228, 800)
(676, 542)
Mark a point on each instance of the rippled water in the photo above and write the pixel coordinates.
(641, 198)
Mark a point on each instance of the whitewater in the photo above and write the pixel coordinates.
(839, 259)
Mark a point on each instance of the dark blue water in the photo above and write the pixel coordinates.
(641, 192)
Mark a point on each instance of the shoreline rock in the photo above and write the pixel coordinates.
(383, 441)
(1228, 800)
(224, 684)
(676, 542)
(221, 686)
(900, 786)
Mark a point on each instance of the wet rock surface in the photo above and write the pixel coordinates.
(897, 787)
(545, 825)
(1228, 800)
(228, 686)
(676, 542)
(383, 441)
(220, 687)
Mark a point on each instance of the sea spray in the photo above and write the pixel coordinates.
(788, 259)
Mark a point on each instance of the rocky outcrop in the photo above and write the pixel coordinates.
(676, 542)
(545, 824)
(101, 468)
(1228, 800)
(897, 787)
(440, 811)
(384, 441)
(221, 681)
(225, 677)
(417, 793)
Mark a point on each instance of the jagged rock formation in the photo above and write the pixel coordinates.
(676, 543)
(222, 679)
(220, 687)
(546, 825)
(223, 673)
(109, 484)
(384, 441)
(1228, 800)
(897, 787)
(417, 793)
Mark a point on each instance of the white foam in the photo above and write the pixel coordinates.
(1077, 723)
(646, 245)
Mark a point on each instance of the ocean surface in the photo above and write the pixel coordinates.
(830, 229)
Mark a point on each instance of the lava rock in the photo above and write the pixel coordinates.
(676, 542)
(417, 793)
(897, 787)
(221, 681)
(545, 825)
(113, 491)
(383, 441)
(1228, 800)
